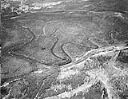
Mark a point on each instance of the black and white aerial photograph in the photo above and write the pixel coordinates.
(64, 49)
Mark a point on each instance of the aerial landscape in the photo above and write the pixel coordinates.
(64, 49)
